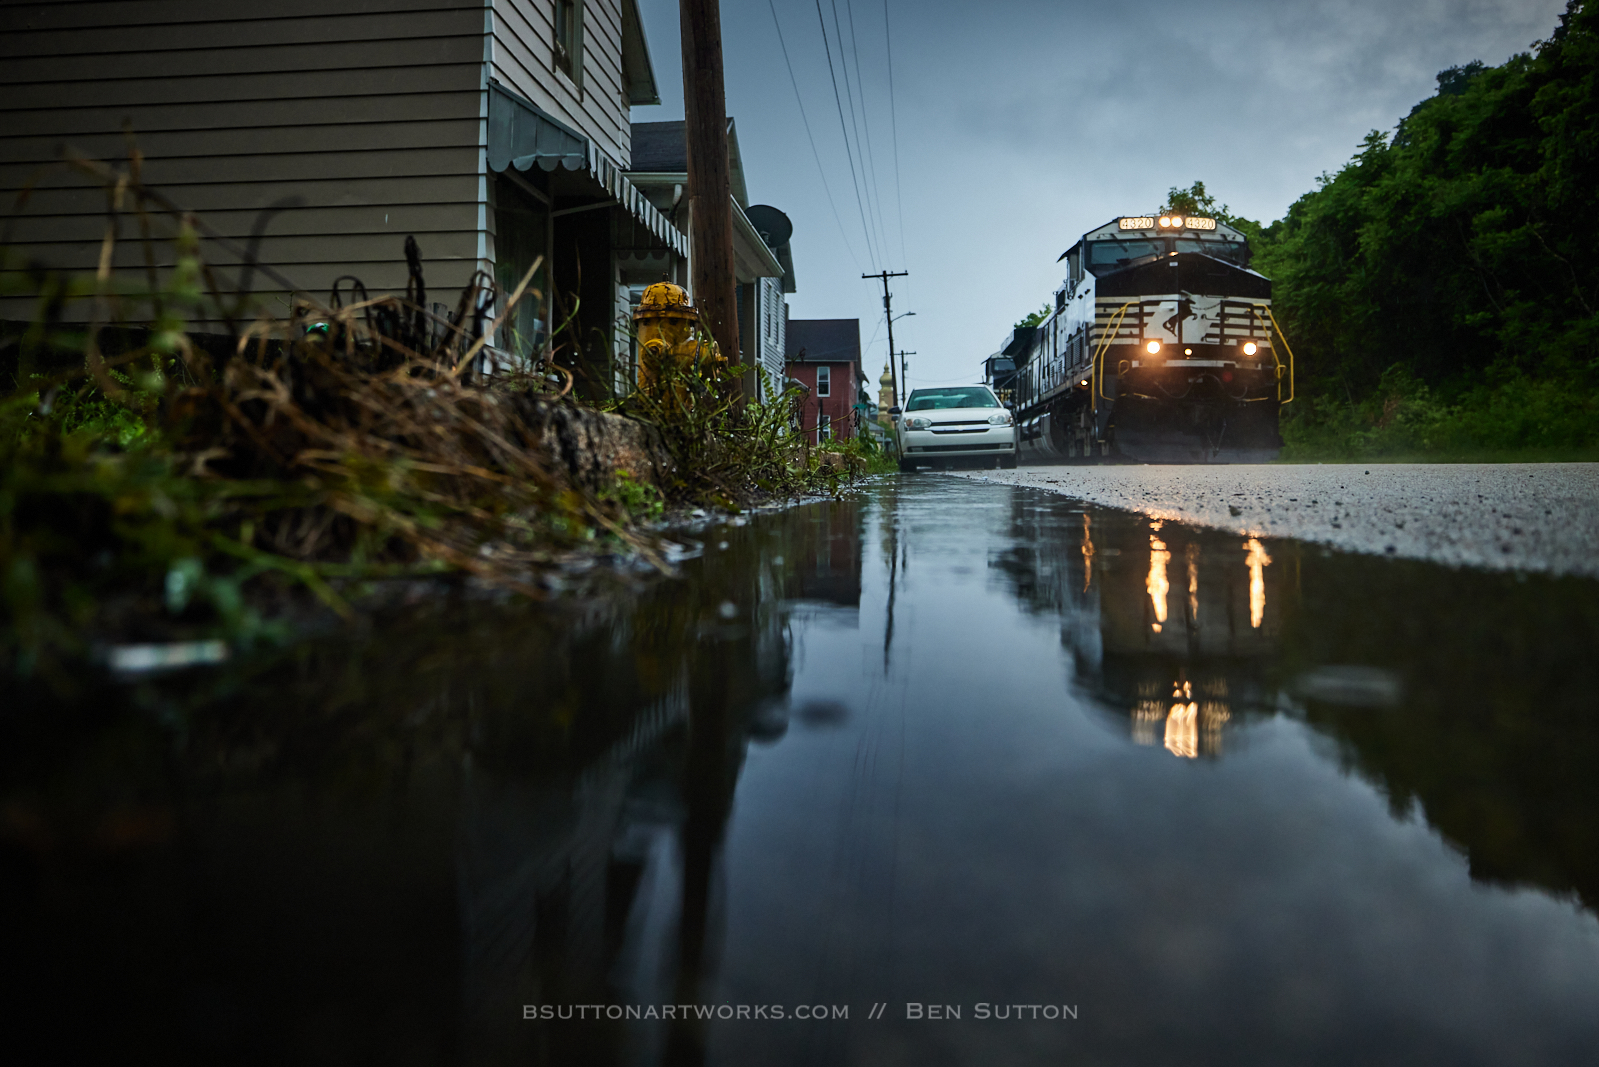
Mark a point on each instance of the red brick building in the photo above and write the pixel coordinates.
(824, 355)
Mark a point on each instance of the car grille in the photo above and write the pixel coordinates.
(953, 448)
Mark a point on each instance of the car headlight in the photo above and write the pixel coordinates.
(918, 424)
(1002, 419)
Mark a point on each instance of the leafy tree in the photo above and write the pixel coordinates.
(1033, 318)
(1460, 248)
(1197, 200)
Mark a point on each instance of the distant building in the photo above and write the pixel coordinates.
(763, 265)
(824, 355)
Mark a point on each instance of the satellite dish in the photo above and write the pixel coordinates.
(773, 226)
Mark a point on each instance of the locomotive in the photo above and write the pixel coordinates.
(1159, 349)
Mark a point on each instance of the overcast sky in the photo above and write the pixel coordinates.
(1023, 123)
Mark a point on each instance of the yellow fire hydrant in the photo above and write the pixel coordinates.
(669, 335)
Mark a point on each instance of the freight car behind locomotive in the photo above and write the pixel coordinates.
(1160, 349)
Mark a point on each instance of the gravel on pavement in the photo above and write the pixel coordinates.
(1513, 516)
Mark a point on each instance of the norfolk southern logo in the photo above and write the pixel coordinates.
(1185, 311)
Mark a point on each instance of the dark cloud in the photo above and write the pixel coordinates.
(1021, 124)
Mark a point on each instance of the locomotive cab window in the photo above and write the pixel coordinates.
(1234, 252)
(1110, 255)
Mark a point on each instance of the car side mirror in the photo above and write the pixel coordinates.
(896, 412)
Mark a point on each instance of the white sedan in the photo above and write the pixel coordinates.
(954, 424)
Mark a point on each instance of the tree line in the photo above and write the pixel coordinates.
(1441, 289)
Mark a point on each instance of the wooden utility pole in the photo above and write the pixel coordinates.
(710, 188)
(888, 313)
(904, 371)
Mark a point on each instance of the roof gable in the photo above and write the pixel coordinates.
(823, 341)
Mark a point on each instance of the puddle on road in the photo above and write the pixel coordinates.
(1167, 795)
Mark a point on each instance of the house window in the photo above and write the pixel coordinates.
(824, 376)
(569, 39)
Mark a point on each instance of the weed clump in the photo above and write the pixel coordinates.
(173, 482)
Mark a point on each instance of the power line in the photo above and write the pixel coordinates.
(814, 153)
(874, 198)
(844, 128)
(893, 119)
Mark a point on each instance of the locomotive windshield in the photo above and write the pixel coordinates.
(1234, 252)
(1113, 253)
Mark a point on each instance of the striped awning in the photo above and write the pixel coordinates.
(523, 136)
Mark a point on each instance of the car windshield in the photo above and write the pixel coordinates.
(970, 396)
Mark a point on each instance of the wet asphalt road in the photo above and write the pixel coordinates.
(1526, 516)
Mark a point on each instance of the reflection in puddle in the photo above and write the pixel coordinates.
(1192, 726)
(1256, 561)
(1088, 553)
(1182, 730)
(1192, 553)
(1157, 584)
(1132, 655)
(1350, 686)
(724, 790)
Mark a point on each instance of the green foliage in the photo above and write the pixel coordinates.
(864, 454)
(1195, 200)
(86, 410)
(640, 501)
(100, 542)
(1461, 249)
(1515, 417)
(1033, 318)
(726, 451)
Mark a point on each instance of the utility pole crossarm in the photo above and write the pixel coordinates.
(888, 313)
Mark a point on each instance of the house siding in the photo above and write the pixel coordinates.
(368, 111)
(523, 60)
(837, 409)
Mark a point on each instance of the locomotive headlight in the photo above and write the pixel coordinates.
(1165, 221)
(1001, 419)
(1250, 348)
(1153, 348)
(1177, 222)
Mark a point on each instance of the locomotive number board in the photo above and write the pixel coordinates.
(1145, 222)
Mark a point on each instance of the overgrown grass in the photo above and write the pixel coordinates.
(728, 451)
(1509, 417)
(864, 454)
